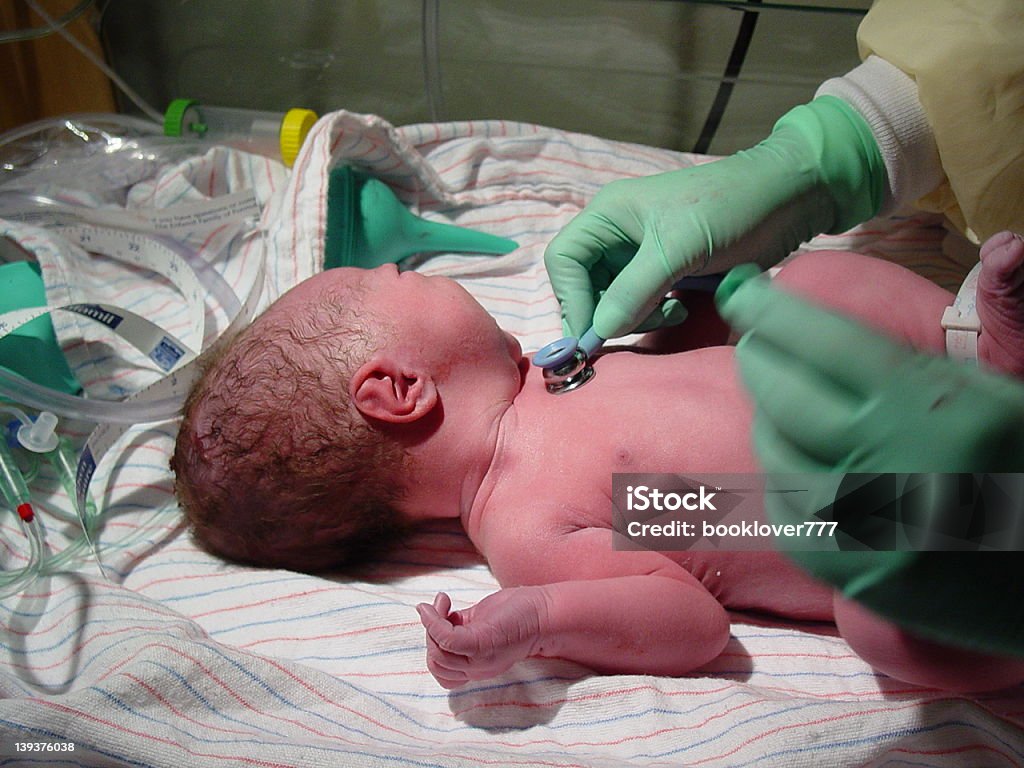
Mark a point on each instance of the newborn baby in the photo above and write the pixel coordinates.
(363, 402)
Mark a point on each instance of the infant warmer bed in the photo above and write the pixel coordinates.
(179, 659)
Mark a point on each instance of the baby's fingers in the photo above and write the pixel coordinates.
(446, 668)
(448, 683)
(452, 670)
(442, 604)
(436, 624)
(454, 639)
(449, 669)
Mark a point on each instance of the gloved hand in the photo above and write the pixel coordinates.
(819, 171)
(832, 395)
(482, 641)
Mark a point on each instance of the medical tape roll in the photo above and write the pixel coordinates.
(168, 352)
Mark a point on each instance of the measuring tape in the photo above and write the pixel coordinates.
(163, 348)
(175, 358)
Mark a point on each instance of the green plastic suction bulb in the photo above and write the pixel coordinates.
(368, 226)
(32, 351)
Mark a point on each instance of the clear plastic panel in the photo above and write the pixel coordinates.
(638, 71)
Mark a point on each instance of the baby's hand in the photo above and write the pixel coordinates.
(482, 641)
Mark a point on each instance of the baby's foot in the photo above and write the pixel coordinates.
(1001, 303)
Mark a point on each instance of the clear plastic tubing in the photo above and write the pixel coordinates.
(21, 390)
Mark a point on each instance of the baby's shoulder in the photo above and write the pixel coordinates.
(542, 510)
(525, 534)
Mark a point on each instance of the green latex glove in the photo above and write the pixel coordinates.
(819, 171)
(831, 395)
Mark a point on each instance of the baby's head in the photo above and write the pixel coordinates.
(295, 445)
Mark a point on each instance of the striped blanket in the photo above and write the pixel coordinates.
(171, 657)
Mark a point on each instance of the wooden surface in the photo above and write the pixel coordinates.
(46, 77)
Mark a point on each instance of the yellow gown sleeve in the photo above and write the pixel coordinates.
(967, 59)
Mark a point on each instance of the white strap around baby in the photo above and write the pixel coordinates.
(961, 321)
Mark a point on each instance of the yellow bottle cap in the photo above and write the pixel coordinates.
(296, 124)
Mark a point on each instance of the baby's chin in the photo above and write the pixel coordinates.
(515, 349)
(524, 369)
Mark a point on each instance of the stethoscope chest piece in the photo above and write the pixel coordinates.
(570, 375)
(566, 364)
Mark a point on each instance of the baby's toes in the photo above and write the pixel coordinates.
(1002, 260)
(1001, 303)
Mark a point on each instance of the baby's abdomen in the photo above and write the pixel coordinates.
(759, 581)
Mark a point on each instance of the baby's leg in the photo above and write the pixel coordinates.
(894, 300)
(1001, 303)
(882, 295)
(901, 655)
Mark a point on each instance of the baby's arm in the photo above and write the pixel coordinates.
(613, 611)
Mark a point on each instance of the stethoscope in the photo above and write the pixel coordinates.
(567, 362)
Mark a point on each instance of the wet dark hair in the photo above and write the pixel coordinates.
(273, 466)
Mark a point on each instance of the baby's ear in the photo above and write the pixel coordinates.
(386, 390)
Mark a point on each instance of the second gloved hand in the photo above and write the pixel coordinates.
(819, 171)
(833, 395)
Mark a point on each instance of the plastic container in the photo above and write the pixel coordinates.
(273, 134)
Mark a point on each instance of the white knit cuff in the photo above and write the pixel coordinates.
(887, 99)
